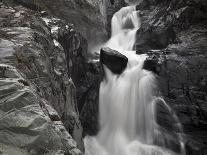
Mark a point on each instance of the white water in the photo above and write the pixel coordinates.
(126, 101)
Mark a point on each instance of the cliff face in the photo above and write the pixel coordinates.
(177, 30)
(38, 107)
(85, 15)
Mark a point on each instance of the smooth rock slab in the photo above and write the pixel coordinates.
(114, 60)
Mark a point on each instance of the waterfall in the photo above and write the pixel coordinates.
(127, 101)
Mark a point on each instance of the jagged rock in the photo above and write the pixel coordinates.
(26, 123)
(114, 60)
(151, 64)
(85, 15)
(83, 75)
(109, 7)
(183, 83)
(36, 91)
(90, 98)
(75, 48)
(154, 37)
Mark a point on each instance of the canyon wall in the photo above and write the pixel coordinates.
(38, 105)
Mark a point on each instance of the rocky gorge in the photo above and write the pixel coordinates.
(49, 76)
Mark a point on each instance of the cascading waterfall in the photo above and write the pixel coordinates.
(127, 101)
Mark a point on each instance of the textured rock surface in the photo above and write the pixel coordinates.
(85, 15)
(34, 81)
(90, 98)
(109, 7)
(182, 51)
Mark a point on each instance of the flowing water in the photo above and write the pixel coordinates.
(127, 101)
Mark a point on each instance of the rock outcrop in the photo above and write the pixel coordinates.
(109, 7)
(90, 98)
(182, 53)
(114, 60)
(38, 106)
(85, 15)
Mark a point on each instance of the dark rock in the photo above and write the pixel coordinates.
(183, 79)
(193, 147)
(114, 60)
(75, 48)
(154, 37)
(151, 64)
(89, 93)
(145, 4)
(90, 111)
(170, 129)
(109, 8)
(86, 76)
(178, 29)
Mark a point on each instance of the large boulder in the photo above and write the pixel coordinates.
(113, 60)
(89, 91)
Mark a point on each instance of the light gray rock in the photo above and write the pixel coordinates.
(85, 15)
(36, 94)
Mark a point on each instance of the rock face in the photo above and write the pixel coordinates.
(151, 64)
(177, 30)
(109, 7)
(90, 98)
(85, 15)
(38, 106)
(184, 76)
(114, 60)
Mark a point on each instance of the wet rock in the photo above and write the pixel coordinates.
(85, 76)
(109, 7)
(178, 30)
(90, 99)
(193, 147)
(114, 60)
(151, 64)
(154, 37)
(75, 48)
(183, 79)
(169, 126)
